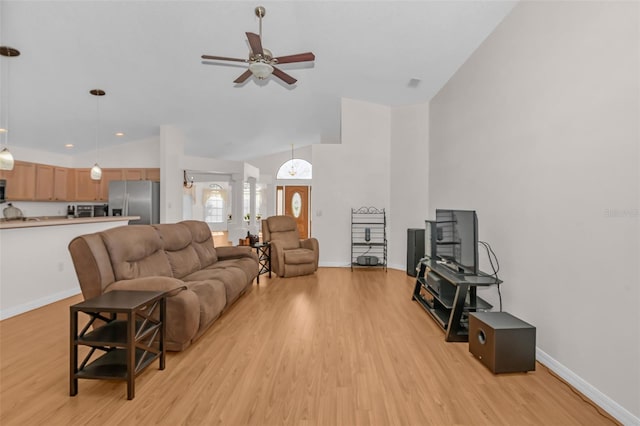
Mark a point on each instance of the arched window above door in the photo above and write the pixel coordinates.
(295, 168)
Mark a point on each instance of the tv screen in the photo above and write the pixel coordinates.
(457, 238)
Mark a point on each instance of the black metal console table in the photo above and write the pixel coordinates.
(449, 296)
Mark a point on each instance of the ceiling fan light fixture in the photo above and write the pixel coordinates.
(261, 70)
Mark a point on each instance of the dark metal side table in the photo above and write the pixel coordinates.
(264, 259)
(128, 345)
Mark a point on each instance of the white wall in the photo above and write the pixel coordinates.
(409, 206)
(349, 175)
(538, 132)
(42, 157)
(138, 153)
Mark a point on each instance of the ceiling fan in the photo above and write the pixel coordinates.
(261, 61)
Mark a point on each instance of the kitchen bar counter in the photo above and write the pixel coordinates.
(35, 264)
(61, 220)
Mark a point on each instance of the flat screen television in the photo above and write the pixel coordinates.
(457, 239)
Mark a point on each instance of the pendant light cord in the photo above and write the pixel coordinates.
(5, 137)
(292, 172)
(6, 129)
(97, 127)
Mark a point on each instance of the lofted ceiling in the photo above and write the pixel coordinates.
(146, 56)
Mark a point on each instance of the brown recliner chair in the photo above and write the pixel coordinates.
(290, 256)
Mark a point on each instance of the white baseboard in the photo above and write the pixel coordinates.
(398, 267)
(334, 265)
(348, 265)
(34, 304)
(620, 413)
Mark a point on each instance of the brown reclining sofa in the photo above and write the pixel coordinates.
(178, 258)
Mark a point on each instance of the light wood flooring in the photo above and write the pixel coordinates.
(334, 348)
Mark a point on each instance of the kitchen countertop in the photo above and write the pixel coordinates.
(33, 222)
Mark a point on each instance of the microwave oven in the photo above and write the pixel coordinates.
(84, 210)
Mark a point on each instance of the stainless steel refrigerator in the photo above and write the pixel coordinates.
(135, 198)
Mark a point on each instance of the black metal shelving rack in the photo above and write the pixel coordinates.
(368, 237)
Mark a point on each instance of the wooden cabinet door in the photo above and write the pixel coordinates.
(21, 181)
(133, 174)
(61, 184)
(71, 185)
(152, 174)
(44, 182)
(107, 176)
(87, 189)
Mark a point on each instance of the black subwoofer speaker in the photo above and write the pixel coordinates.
(502, 342)
(415, 249)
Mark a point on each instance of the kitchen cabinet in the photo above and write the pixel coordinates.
(107, 176)
(153, 175)
(44, 182)
(95, 190)
(133, 174)
(53, 183)
(63, 184)
(87, 189)
(21, 181)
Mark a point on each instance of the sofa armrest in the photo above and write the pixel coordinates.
(277, 258)
(312, 244)
(166, 284)
(230, 252)
(182, 309)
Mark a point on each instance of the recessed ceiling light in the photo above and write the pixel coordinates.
(68, 145)
(3, 130)
(119, 134)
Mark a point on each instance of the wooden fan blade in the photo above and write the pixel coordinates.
(222, 58)
(255, 43)
(300, 57)
(283, 76)
(245, 75)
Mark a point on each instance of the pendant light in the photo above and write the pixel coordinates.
(96, 171)
(6, 158)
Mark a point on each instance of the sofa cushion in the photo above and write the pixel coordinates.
(202, 241)
(234, 279)
(299, 256)
(212, 298)
(176, 240)
(136, 251)
(247, 264)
